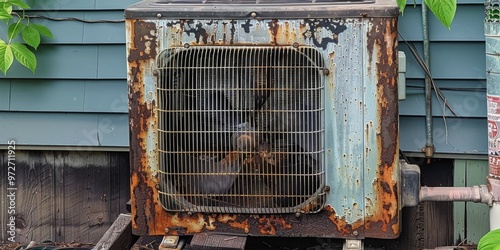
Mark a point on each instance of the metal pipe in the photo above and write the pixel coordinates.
(429, 145)
(478, 194)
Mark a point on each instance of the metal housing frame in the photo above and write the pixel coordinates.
(359, 42)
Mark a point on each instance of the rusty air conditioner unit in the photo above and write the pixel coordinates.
(264, 117)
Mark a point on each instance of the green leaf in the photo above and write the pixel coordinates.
(24, 56)
(402, 5)
(6, 56)
(490, 241)
(43, 30)
(20, 4)
(5, 11)
(444, 10)
(15, 29)
(31, 36)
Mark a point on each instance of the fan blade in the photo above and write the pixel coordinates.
(208, 176)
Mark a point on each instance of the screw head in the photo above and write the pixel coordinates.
(253, 14)
(158, 15)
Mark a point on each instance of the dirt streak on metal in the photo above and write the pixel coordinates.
(382, 47)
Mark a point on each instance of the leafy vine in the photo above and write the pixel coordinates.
(444, 10)
(12, 12)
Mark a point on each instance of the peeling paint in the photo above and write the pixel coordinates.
(382, 46)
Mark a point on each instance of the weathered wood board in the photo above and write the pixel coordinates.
(64, 196)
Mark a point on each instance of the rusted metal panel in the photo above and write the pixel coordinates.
(141, 55)
(381, 121)
(361, 126)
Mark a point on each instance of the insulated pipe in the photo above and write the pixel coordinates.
(429, 145)
(478, 194)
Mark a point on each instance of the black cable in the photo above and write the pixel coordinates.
(75, 19)
(448, 88)
(420, 62)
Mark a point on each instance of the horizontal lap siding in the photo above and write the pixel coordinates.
(457, 63)
(71, 130)
(78, 95)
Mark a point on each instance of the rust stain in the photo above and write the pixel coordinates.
(144, 43)
(274, 28)
(343, 227)
(141, 55)
(233, 31)
(382, 47)
(323, 224)
(270, 225)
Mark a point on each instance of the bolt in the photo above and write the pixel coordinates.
(166, 230)
(298, 214)
(157, 186)
(158, 15)
(326, 189)
(155, 72)
(253, 14)
(326, 71)
(190, 213)
(355, 233)
(246, 230)
(186, 45)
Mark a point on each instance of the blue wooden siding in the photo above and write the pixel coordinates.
(457, 63)
(78, 95)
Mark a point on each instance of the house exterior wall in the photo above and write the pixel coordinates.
(77, 98)
(74, 105)
(457, 64)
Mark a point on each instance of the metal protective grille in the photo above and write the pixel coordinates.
(241, 129)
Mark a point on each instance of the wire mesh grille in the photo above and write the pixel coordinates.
(241, 129)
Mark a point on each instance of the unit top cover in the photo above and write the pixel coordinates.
(262, 9)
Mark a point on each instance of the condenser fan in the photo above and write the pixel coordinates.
(241, 129)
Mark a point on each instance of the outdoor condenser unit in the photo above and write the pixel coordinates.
(264, 117)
